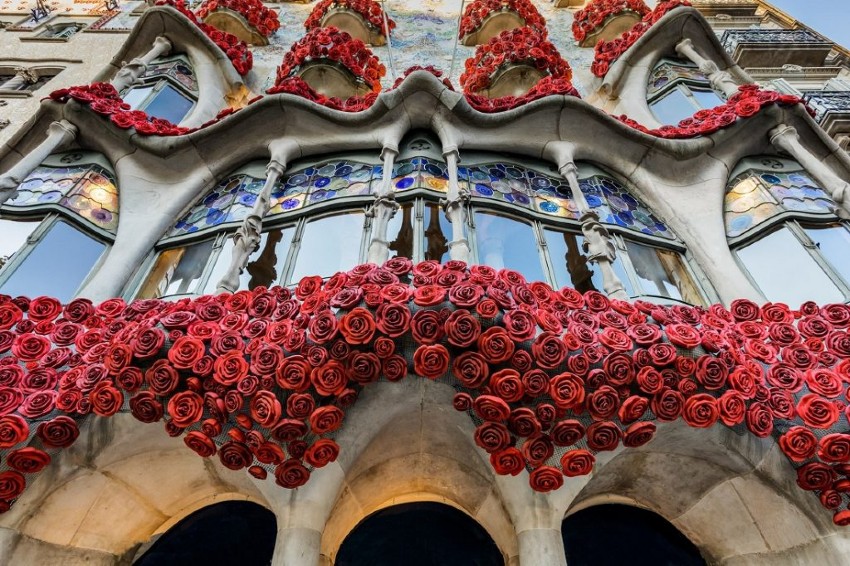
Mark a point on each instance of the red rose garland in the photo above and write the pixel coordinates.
(261, 378)
(479, 10)
(369, 10)
(606, 52)
(264, 20)
(519, 46)
(333, 45)
(430, 69)
(298, 87)
(594, 15)
(237, 51)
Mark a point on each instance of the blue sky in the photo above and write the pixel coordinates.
(828, 17)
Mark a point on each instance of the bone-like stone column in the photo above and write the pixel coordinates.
(598, 244)
(720, 80)
(785, 138)
(23, 76)
(247, 238)
(541, 547)
(131, 72)
(454, 206)
(58, 134)
(382, 211)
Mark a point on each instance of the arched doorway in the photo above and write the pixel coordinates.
(231, 532)
(419, 534)
(621, 534)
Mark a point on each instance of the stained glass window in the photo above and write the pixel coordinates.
(420, 173)
(755, 196)
(668, 72)
(87, 190)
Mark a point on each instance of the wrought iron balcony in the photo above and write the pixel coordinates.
(776, 47)
(832, 110)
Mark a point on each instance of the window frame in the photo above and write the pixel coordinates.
(685, 86)
(158, 82)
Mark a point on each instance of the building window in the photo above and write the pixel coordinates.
(168, 89)
(63, 30)
(783, 231)
(677, 89)
(23, 79)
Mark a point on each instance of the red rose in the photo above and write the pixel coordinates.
(507, 385)
(268, 452)
(785, 376)
(798, 443)
(200, 443)
(59, 432)
(682, 335)
(265, 409)
(322, 452)
(662, 354)
(394, 368)
(426, 327)
(577, 463)
(817, 412)
(700, 411)
(431, 361)
(824, 382)
(291, 474)
(732, 407)
(815, 476)
(537, 449)
(326, 419)
(487, 308)
(300, 405)
(603, 403)
(639, 434)
(28, 460)
(760, 420)
(148, 343)
(12, 484)
(10, 400)
(491, 408)
(106, 400)
(462, 402)
(632, 409)
(235, 455)
(495, 345)
(185, 352)
(30, 347)
(38, 404)
(230, 368)
(145, 408)
(619, 369)
(711, 373)
(307, 286)
(535, 382)
(358, 326)
(567, 432)
(13, 430)
(523, 422)
(394, 319)
(602, 436)
(329, 378)
(650, 380)
(834, 448)
(288, 430)
(507, 462)
(471, 369)
(567, 390)
(466, 295)
(293, 374)
(549, 350)
(492, 437)
(667, 405)
(520, 325)
(363, 367)
(546, 479)
(462, 329)
(429, 295)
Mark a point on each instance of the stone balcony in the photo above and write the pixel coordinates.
(776, 47)
(832, 111)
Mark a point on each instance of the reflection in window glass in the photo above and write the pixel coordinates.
(169, 104)
(785, 272)
(707, 98)
(672, 108)
(13, 236)
(135, 96)
(177, 271)
(329, 245)
(834, 245)
(438, 233)
(400, 232)
(265, 265)
(507, 243)
(663, 273)
(62, 250)
(571, 266)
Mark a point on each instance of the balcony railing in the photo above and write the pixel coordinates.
(776, 47)
(828, 102)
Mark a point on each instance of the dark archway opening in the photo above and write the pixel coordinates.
(620, 534)
(232, 532)
(419, 534)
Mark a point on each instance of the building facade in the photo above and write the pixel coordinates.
(509, 244)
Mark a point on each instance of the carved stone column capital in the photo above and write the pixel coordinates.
(28, 75)
(784, 137)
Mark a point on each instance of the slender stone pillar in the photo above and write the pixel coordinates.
(131, 72)
(720, 80)
(541, 547)
(302, 546)
(785, 138)
(382, 211)
(58, 134)
(598, 244)
(23, 76)
(454, 206)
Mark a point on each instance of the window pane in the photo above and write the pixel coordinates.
(571, 266)
(169, 104)
(663, 273)
(438, 233)
(707, 98)
(135, 96)
(62, 250)
(329, 245)
(507, 243)
(834, 245)
(177, 270)
(265, 266)
(785, 272)
(400, 232)
(13, 236)
(673, 108)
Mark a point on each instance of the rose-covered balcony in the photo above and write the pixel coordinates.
(485, 19)
(605, 20)
(776, 47)
(362, 19)
(248, 20)
(333, 64)
(569, 3)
